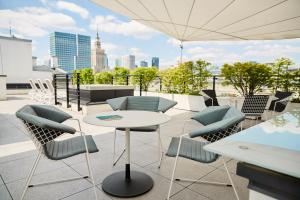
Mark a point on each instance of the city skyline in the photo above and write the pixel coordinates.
(35, 19)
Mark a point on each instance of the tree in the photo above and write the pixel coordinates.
(296, 84)
(120, 75)
(188, 78)
(248, 77)
(104, 78)
(143, 76)
(87, 76)
(281, 73)
(201, 74)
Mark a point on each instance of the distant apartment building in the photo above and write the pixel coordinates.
(71, 51)
(128, 61)
(155, 62)
(17, 62)
(143, 63)
(99, 57)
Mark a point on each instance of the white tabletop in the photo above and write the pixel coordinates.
(130, 119)
(274, 144)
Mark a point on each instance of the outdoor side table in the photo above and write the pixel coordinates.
(127, 183)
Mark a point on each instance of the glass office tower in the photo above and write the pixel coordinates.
(155, 62)
(83, 59)
(72, 52)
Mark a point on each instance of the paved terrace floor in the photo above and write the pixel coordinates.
(17, 154)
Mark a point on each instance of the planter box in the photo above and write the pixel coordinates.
(193, 102)
(92, 94)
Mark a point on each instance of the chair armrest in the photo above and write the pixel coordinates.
(52, 113)
(45, 123)
(165, 104)
(211, 114)
(118, 103)
(215, 127)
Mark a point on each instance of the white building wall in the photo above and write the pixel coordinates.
(17, 61)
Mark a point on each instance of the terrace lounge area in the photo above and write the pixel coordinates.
(17, 154)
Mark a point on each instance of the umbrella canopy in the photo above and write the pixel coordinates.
(203, 20)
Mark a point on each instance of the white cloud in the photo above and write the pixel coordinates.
(271, 50)
(64, 5)
(111, 24)
(36, 21)
(139, 55)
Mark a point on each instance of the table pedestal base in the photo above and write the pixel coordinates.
(117, 184)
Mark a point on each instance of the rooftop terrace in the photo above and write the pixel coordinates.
(17, 154)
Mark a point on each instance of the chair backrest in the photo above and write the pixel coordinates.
(142, 103)
(33, 86)
(220, 122)
(147, 103)
(283, 97)
(49, 85)
(210, 98)
(255, 104)
(41, 84)
(43, 123)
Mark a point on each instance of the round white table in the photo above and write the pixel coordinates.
(128, 183)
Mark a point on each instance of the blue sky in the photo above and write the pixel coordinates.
(35, 19)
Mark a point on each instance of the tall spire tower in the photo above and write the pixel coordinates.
(99, 58)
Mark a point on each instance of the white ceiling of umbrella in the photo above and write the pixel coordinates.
(196, 20)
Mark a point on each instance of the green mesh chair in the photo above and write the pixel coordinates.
(44, 125)
(219, 122)
(146, 103)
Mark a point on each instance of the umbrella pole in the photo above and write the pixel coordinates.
(181, 48)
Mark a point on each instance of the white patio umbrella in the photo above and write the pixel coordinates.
(207, 20)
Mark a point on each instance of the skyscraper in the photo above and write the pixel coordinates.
(155, 62)
(128, 61)
(71, 51)
(99, 58)
(143, 63)
(83, 58)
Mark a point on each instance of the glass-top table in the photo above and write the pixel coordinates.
(273, 144)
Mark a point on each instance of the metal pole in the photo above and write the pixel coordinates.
(78, 91)
(127, 80)
(67, 91)
(141, 85)
(181, 48)
(214, 82)
(55, 89)
(160, 84)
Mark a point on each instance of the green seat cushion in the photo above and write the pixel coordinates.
(142, 129)
(191, 149)
(57, 150)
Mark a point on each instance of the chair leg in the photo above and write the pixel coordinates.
(89, 167)
(161, 149)
(31, 174)
(115, 135)
(205, 182)
(230, 179)
(174, 169)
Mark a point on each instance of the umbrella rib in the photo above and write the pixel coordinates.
(261, 11)
(166, 28)
(171, 19)
(188, 20)
(222, 10)
(254, 27)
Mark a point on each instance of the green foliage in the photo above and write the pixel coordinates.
(296, 84)
(188, 78)
(104, 77)
(282, 76)
(120, 75)
(143, 76)
(248, 77)
(87, 76)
